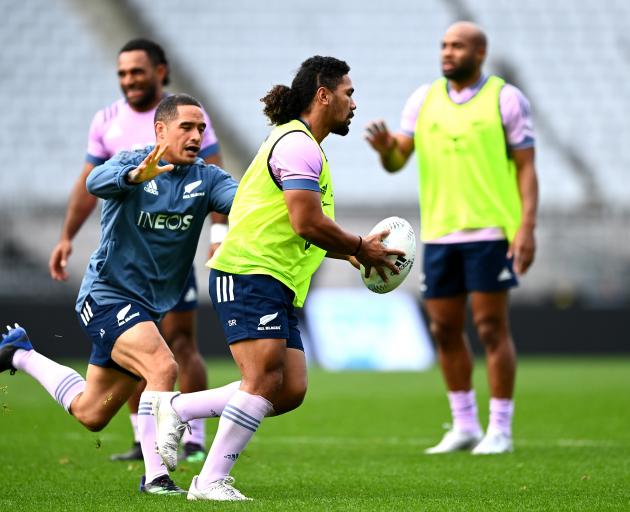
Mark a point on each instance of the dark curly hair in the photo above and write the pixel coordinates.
(153, 50)
(282, 103)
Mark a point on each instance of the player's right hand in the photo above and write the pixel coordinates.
(149, 168)
(379, 137)
(374, 254)
(59, 260)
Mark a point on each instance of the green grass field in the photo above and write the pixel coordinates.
(355, 444)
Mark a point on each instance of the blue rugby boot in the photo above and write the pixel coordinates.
(15, 338)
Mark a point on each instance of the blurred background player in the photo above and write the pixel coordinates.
(474, 143)
(134, 277)
(281, 228)
(127, 124)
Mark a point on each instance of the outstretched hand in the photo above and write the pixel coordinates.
(379, 136)
(149, 168)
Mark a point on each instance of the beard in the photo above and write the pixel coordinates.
(144, 102)
(342, 128)
(463, 72)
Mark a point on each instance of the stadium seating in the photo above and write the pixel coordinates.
(569, 57)
(55, 76)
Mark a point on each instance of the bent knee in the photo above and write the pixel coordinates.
(268, 384)
(163, 372)
(94, 423)
(168, 368)
(297, 398)
(297, 395)
(290, 400)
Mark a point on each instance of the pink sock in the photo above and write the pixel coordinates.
(464, 411)
(153, 465)
(133, 417)
(501, 412)
(197, 434)
(239, 421)
(204, 404)
(61, 382)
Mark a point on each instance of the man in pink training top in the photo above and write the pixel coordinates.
(474, 142)
(127, 124)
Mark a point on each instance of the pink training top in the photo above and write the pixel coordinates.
(296, 162)
(118, 127)
(517, 122)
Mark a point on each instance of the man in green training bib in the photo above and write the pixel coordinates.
(474, 143)
(281, 228)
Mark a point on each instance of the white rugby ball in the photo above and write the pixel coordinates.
(401, 236)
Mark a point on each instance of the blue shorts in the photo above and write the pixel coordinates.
(188, 300)
(453, 269)
(254, 306)
(104, 324)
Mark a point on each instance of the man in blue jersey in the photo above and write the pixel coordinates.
(127, 123)
(156, 200)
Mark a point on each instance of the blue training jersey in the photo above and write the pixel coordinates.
(150, 231)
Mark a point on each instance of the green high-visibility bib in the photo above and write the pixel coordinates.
(260, 239)
(467, 178)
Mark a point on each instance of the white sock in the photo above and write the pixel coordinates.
(464, 411)
(133, 417)
(61, 382)
(239, 421)
(204, 404)
(501, 412)
(153, 465)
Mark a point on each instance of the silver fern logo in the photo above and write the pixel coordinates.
(264, 320)
(122, 317)
(188, 190)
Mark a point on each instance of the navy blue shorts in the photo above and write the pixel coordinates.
(188, 300)
(104, 324)
(453, 269)
(254, 306)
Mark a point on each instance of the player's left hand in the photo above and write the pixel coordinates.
(373, 253)
(523, 249)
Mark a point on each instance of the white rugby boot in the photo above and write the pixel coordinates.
(493, 443)
(169, 430)
(221, 490)
(454, 441)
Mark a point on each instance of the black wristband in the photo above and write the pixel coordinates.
(358, 247)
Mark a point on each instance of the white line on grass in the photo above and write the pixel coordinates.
(419, 441)
(389, 441)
